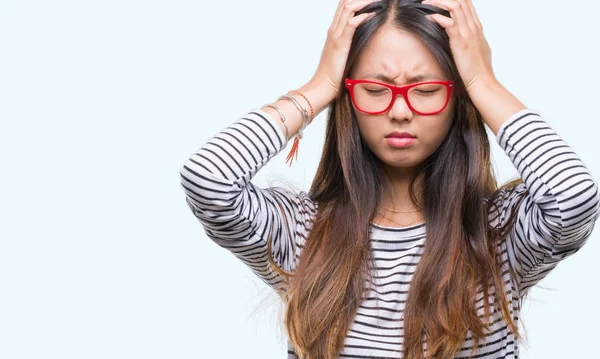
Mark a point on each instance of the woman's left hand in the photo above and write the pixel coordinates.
(471, 51)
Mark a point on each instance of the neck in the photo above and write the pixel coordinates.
(397, 194)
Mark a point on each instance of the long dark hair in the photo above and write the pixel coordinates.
(328, 284)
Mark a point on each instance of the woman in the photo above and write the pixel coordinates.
(410, 87)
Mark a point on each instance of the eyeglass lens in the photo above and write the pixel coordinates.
(423, 98)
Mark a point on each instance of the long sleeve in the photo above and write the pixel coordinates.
(235, 213)
(557, 215)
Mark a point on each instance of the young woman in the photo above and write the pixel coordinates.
(405, 246)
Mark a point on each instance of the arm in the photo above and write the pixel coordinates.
(235, 213)
(495, 103)
(558, 213)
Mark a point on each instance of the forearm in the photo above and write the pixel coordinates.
(218, 172)
(495, 103)
(254, 139)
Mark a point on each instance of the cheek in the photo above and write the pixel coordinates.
(439, 125)
(436, 130)
(368, 128)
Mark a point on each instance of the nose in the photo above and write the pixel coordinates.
(400, 109)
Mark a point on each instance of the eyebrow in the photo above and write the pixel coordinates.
(409, 78)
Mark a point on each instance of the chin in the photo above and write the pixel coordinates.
(400, 160)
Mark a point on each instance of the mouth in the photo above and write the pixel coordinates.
(397, 134)
(400, 142)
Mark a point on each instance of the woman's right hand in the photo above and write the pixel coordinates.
(337, 45)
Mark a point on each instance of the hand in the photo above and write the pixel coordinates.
(337, 45)
(470, 49)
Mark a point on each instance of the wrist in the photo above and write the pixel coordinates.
(484, 83)
(319, 94)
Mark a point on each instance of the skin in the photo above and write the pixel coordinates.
(399, 54)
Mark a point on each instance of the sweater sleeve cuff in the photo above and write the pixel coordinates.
(510, 125)
(274, 129)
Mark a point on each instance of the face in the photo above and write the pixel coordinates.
(400, 56)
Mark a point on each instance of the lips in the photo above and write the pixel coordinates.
(397, 134)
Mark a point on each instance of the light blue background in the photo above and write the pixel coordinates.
(101, 102)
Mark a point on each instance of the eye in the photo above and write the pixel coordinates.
(426, 92)
(376, 91)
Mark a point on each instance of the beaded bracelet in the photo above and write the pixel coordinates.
(312, 113)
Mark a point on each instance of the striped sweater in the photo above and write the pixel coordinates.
(554, 220)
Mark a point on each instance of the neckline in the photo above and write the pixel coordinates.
(398, 229)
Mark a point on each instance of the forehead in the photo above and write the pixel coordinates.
(397, 54)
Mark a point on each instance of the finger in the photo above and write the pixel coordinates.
(474, 16)
(468, 15)
(346, 9)
(353, 23)
(336, 17)
(446, 22)
(456, 10)
(349, 8)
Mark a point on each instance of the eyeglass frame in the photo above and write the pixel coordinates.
(399, 90)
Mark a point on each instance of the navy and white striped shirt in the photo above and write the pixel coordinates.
(554, 220)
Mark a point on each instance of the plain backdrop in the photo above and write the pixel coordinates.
(101, 103)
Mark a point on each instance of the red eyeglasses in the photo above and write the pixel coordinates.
(424, 98)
